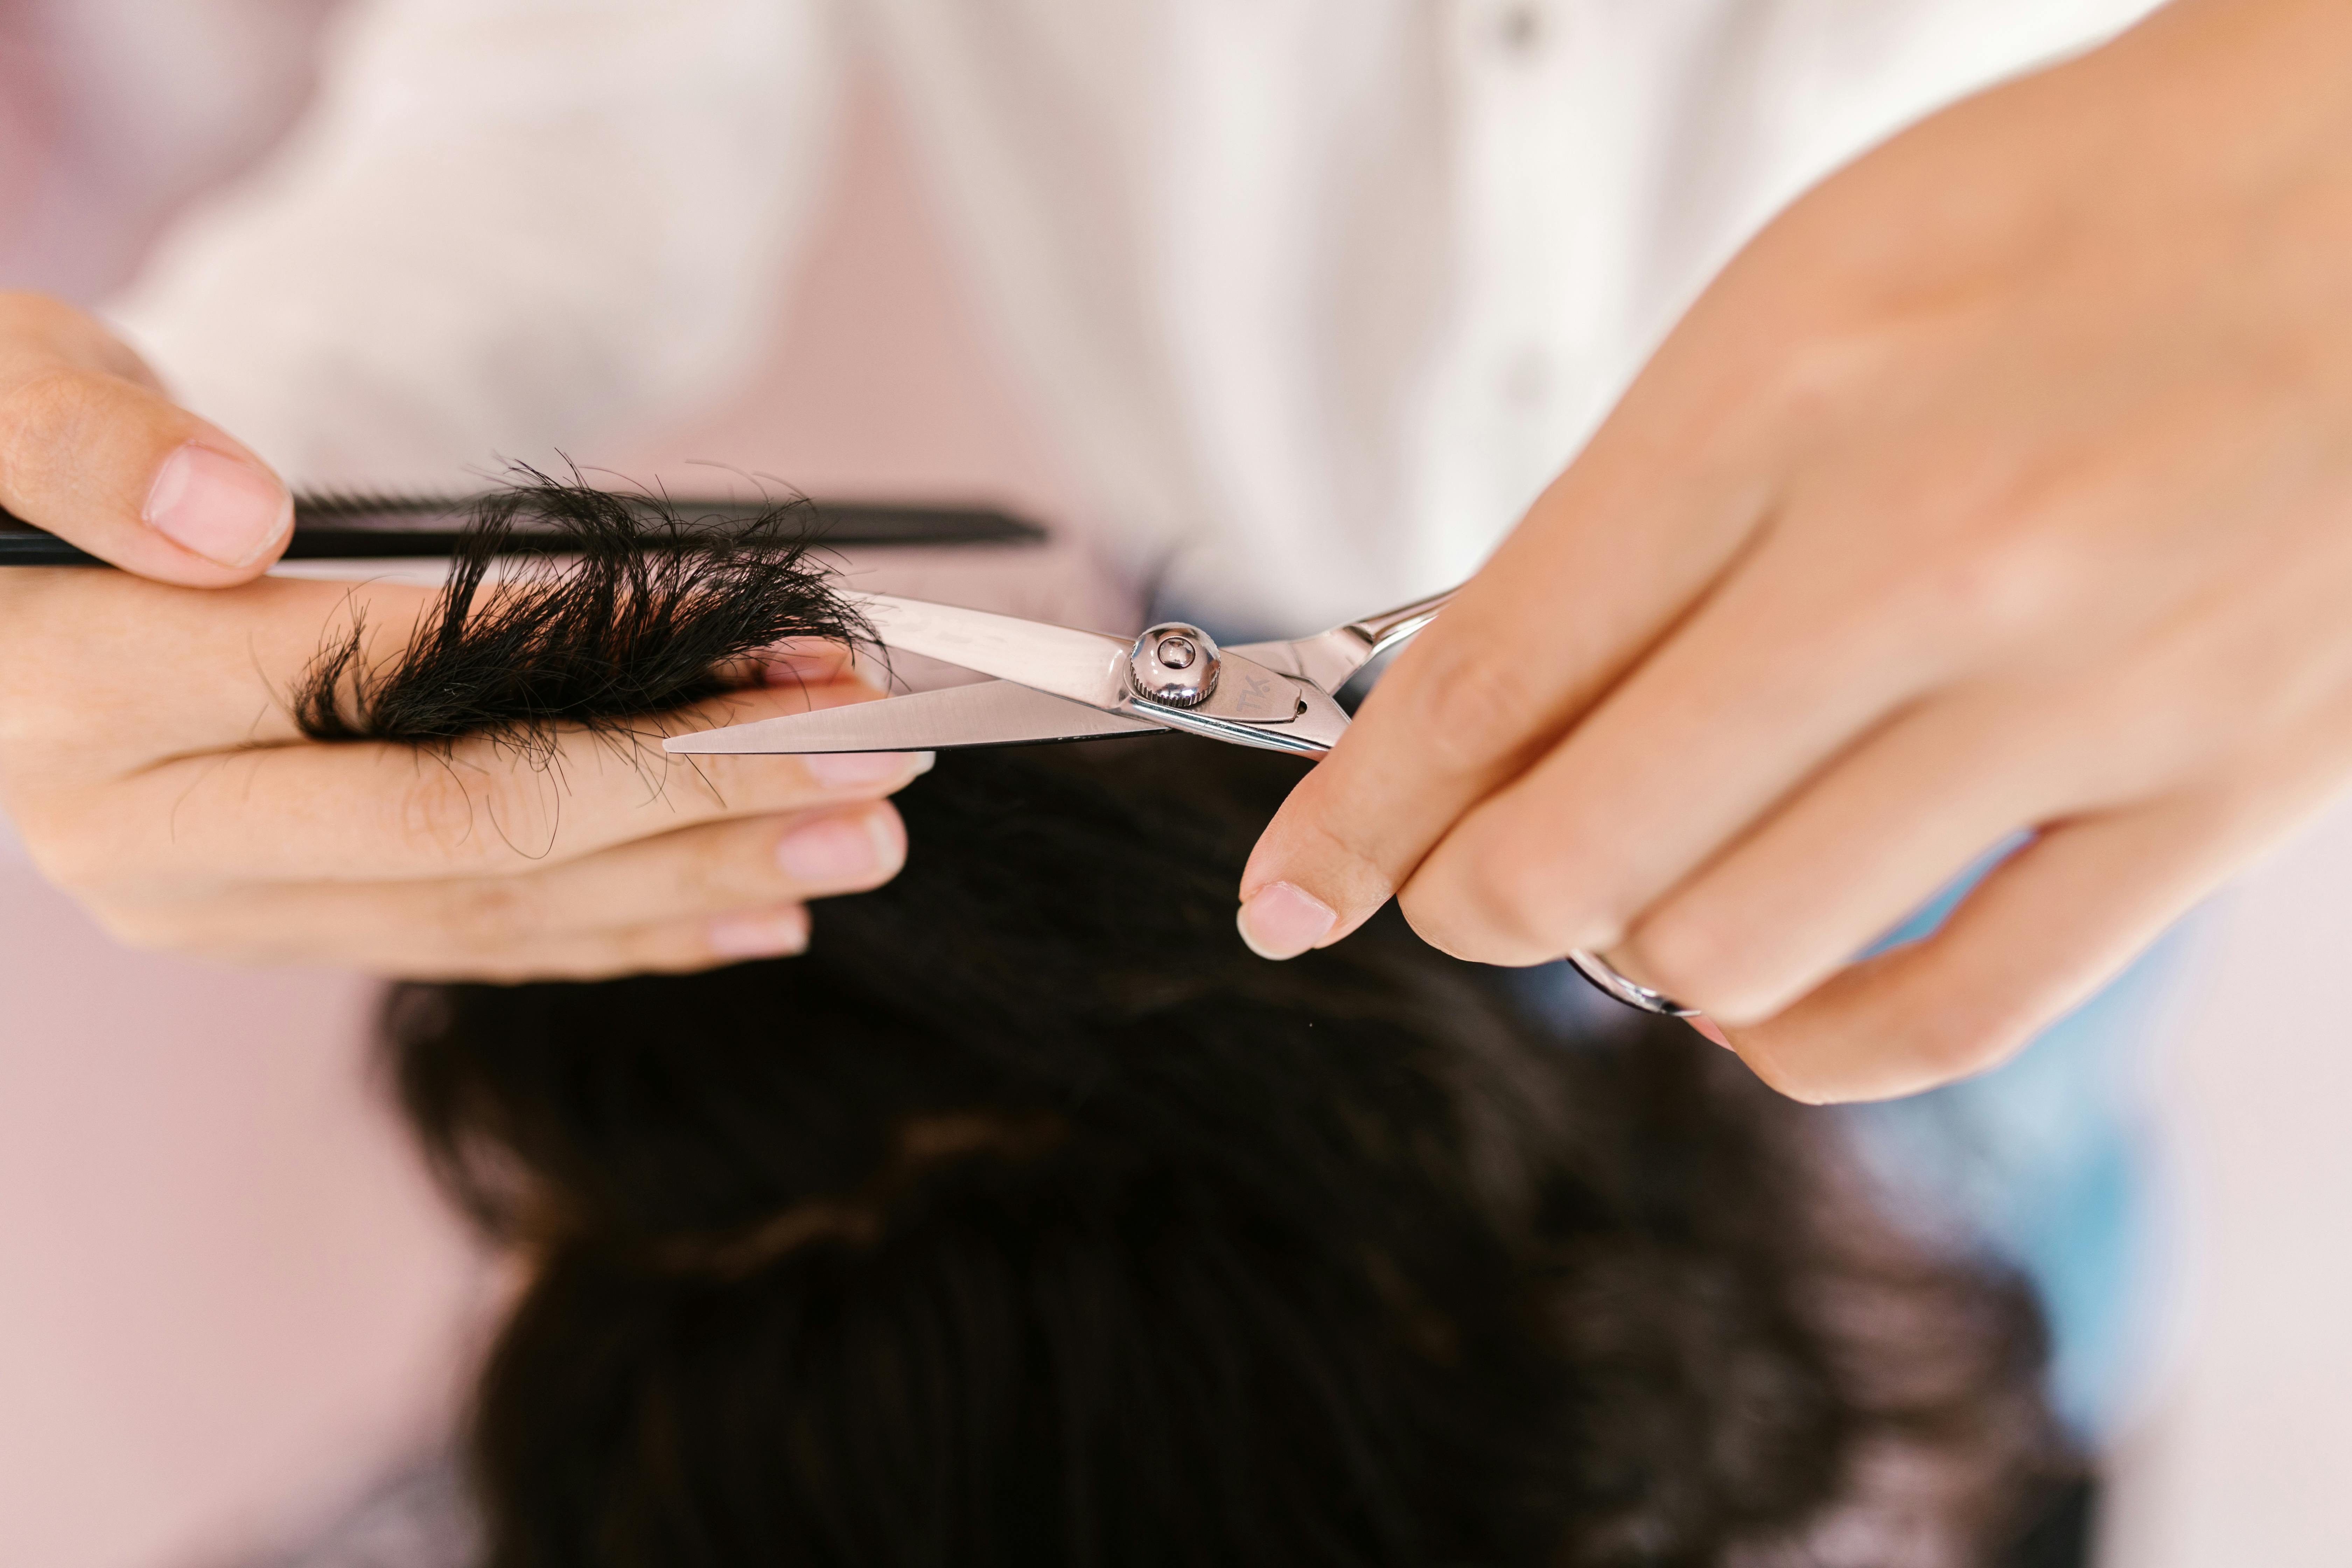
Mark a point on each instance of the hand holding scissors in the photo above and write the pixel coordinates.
(1058, 683)
(1999, 492)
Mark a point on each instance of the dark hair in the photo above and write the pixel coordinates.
(649, 609)
(1029, 1219)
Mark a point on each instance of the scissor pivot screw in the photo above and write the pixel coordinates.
(1174, 664)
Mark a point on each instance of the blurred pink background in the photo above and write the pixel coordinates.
(227, 1297)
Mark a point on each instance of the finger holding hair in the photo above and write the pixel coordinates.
(387, 811)
(397, 779)
(732, 881)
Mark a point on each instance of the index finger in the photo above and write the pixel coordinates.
(351, 811)
(116, 672)
(1604, 564)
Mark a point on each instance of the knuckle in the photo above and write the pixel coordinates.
(1473, 909)
(2000, 581)
(45, 413)
(1323, 839)
(720, 866)
(2001, 571)
(434, 812)
(461, 811)
(1689, 956)
(696, 874)
(1808, 383)
(492, 912)
(1475, 701)
(1817, 385)
(519, 805)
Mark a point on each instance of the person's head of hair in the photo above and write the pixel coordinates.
(1028, 1218)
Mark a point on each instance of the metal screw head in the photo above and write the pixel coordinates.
(1174, 664)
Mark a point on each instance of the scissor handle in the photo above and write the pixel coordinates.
(1329, 659)
(1383, 632)
(1616, 987)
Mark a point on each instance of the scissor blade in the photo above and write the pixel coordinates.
(1084, 667)
(994, 713)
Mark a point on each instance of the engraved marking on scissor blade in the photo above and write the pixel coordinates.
(1326, 659)
(1249, 693)
(1253, 696)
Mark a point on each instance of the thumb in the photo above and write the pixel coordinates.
(92, 451)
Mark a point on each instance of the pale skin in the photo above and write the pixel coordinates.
(148, 758)
(2002, 485)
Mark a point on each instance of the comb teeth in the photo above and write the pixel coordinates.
(357, 524)
(340, 524)
(340, 503)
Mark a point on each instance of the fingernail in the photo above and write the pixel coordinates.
(833, 850)
(766, 935)
(1282, 922)
(223, 508)
(1709, 1028)
(843, 770)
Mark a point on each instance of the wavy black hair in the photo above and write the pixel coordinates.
(651, 608)
(1029, 1219)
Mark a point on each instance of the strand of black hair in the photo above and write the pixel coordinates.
(642, 610)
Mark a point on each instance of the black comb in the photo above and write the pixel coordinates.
(347, 526)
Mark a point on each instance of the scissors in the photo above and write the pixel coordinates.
(1058, 683)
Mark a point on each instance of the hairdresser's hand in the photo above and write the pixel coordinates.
(2005, 483)
(148, 760)
(91, 450)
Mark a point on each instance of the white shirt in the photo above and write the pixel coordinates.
(1315, 295)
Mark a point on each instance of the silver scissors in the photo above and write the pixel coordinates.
(1058, 683)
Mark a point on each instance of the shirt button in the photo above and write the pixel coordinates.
(1520, 29)
(1527, 378)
